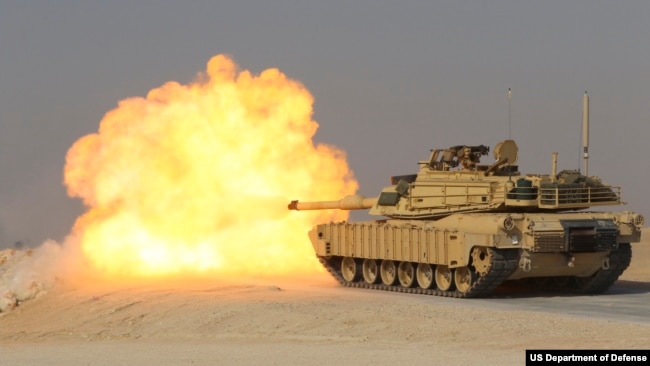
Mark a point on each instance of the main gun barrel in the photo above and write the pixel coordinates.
(354, 202)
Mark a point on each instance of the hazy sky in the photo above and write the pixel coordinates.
(390, 79)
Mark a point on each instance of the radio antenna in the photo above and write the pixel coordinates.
(509, 115)
(509, 130)
(585, 132)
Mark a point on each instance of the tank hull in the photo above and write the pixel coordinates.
(470, 255)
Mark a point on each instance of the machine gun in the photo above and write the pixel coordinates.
(467, 156)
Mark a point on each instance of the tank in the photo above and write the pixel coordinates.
(460, 228)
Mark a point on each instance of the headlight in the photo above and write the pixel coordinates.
(639, 221)
(507, 223)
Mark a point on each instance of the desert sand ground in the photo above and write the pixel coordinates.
(308, 321)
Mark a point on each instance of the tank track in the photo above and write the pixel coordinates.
(504, 263)
(598, 283)
(602, 280)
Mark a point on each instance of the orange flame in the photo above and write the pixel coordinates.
(194, 179)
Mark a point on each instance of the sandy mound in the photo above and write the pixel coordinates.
(21, 278)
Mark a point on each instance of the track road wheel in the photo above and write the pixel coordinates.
(464, 278)
(406, 274)
(388, 272)
(424, 275)
(349, 269)
(444, 278)
(481, 259)
(370, 271)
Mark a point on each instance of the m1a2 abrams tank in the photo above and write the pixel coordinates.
(458, 228)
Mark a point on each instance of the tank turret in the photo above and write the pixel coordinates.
(452, 180)
(461, 228)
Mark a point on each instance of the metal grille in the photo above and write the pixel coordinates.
(607, 240)
(549, 242)
(593, 242)
(591, 235)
